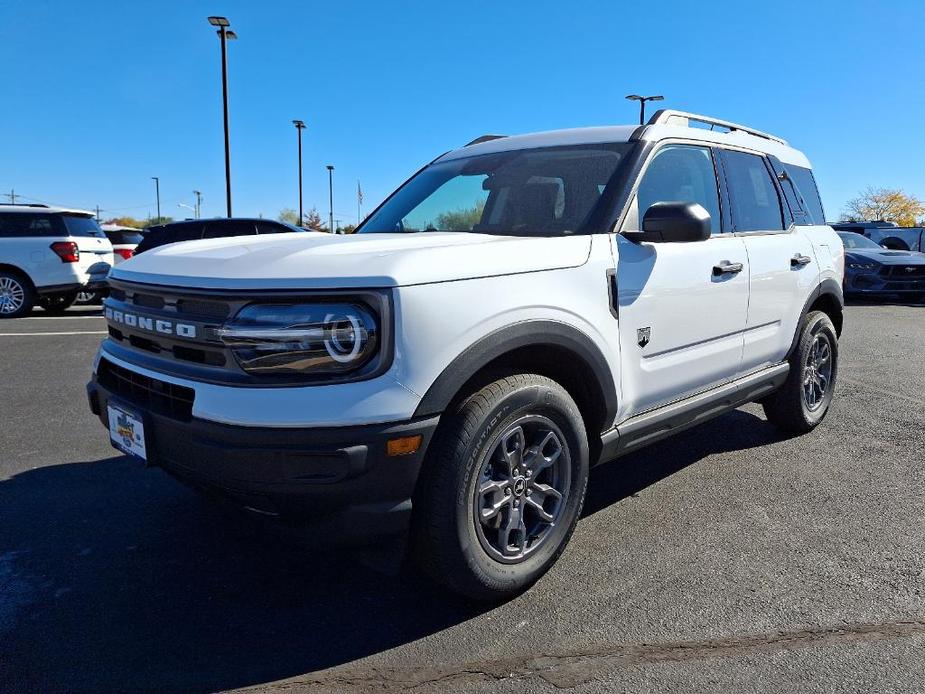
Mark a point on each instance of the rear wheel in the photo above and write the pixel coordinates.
(804, 399)
(57, 303)
(16, 295)
(502, 487)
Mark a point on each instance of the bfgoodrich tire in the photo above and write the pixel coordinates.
(804, 399)
(502, 487)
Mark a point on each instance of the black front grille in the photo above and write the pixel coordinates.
(148, 300)
(147, 393)
(205, 309)
(906, 271)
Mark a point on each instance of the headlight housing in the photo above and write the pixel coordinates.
(311, 340)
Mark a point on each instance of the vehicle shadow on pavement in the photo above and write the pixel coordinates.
(115, 577)
(734, 431)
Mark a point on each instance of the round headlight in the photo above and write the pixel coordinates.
(320, 339)
(346, 337)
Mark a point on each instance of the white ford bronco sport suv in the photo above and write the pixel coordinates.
(45, 256)
(521, 309)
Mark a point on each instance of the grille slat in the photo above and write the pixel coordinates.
(147, 393)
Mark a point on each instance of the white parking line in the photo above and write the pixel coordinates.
(75, 332)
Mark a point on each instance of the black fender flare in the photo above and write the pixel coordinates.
(539, 333)
(829, 287)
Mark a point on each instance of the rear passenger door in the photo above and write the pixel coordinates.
(681, 316)
(782, 263)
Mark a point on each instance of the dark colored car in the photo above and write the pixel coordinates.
(209, 229)
(873, 270)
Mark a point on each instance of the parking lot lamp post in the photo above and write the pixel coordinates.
(300, 126)
(198, 203)
(157, 193)
(642, 104)
(331, 197)
(225, 34)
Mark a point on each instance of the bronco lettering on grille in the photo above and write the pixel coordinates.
(158, 325)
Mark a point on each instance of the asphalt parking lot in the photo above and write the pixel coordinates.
(727, 559)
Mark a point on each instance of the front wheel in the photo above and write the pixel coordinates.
(502, 487)
(804, 399)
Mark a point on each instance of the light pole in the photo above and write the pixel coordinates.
(157, 192)
(198, 203)
(189, 207)
(225, 34)
(300, 126)
(330, 169)
(642, 104)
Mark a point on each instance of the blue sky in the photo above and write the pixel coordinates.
(100, 96)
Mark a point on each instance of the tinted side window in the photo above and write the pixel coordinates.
(754, 198)
(218, 230)
(271, 228)
(13, 225)
(125, 237)
(681, 173)
(805, 185)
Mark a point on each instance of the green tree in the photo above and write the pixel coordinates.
(346, 229)
(463, 219)
(156, 221)
(125, 222)
(288, 216)
(885, 204)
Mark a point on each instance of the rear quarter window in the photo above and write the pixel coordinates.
(82, 226)
(805, 184)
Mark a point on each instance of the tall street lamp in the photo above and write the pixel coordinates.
(198, 203)
(157, 192)
(330, 169)
(225, 34)
(642, 104)
(300, 126)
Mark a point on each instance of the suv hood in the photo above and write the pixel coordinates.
(884, 257)
(314, 260)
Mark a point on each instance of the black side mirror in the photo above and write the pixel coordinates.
(673, 222)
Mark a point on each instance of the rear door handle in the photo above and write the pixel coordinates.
(727, 268)
(800, 260)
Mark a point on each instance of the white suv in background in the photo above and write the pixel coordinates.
(45, 253)
(519, 310)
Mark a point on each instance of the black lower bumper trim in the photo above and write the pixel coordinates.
(339, 480)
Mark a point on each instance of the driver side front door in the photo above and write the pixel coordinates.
(681, 316)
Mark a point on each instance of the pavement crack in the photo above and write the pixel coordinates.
(569, 669)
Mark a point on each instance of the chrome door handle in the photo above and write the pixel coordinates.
(727, 268)
(800, 260)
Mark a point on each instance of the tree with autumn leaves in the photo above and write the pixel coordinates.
(885, 204)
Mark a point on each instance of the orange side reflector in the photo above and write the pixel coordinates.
(404, 445)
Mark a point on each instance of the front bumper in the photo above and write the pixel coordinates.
(338, 481)
(875, 284)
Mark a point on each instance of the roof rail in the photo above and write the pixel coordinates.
(23, 204)
(483, 138)
(668, 116)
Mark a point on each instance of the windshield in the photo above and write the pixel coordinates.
(82, 226)
(852, 240)
(530, 192)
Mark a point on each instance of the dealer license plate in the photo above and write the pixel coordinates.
(126, 431)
